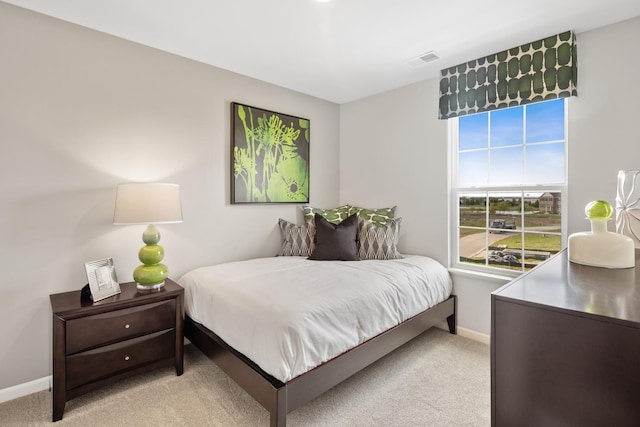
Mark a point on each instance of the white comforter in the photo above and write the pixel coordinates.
(290, 314)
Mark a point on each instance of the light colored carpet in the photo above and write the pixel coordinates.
(437, 379)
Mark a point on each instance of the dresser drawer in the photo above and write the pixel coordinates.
(92, 331)
(85, 367)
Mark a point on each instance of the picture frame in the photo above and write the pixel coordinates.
(269, 156)
(103, 282)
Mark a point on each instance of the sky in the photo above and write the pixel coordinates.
(513, 146)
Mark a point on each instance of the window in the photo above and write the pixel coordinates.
(508, 185)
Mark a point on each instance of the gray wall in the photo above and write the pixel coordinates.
(393, 150)
(81, 111)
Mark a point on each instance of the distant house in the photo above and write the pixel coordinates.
(549, 203)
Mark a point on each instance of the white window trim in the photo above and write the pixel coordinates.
(454, 211)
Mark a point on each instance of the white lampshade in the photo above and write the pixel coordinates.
(147, 203)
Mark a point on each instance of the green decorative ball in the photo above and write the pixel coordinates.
(151, 254)
(598, 209)
(150, 274)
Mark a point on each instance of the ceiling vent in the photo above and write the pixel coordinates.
(424, 59)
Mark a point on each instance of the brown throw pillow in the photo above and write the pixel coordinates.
(335, 241)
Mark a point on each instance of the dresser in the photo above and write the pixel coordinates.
(565, 347)
(95, 344)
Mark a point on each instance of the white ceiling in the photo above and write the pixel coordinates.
(339, 50)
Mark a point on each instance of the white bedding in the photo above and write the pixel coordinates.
(290, 314)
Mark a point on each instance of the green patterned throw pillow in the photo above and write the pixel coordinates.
(379, 216)
(334, 216)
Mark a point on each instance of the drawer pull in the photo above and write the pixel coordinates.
(126, 358)
(126, 326)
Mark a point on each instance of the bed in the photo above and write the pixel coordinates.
(288, 328)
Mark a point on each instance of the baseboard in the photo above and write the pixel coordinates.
(474, 335)
(24, 389)
(467, 333)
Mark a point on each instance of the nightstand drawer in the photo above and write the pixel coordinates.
(101, 362)
(93, 331)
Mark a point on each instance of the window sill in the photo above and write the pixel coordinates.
(483, 274)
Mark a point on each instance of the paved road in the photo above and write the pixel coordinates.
(474, 244)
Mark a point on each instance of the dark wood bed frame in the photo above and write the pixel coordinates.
(280, 398)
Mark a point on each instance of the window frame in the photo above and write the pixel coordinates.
(455, 191)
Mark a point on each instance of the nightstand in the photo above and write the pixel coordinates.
(95, 344)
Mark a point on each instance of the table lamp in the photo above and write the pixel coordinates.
(148, 203)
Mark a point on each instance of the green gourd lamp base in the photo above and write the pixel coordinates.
(150, 275)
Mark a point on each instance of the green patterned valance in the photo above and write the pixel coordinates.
(538, 71)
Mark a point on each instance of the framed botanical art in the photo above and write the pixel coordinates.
(269, 156)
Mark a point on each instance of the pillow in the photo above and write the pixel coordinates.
(379, 216)
(378, 241)
(297, 240)
(335, 216)
(335, 241)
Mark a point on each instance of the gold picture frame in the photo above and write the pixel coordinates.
(103, 282)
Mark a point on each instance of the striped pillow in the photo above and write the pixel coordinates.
(297, 240)
(378, 241)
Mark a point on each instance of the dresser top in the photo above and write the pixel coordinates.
(564, 285)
